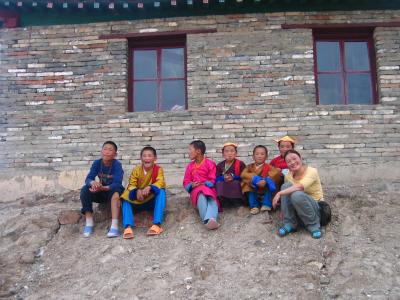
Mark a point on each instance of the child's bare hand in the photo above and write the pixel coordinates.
(276, 200)
(139, 195)
(261, 183)
(95, 187)
(146, 191)
(228, 177)
(195, 184)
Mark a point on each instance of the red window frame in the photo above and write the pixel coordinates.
(341, 36)
(154, 43)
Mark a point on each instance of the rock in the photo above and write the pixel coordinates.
(69, 217)
(27, 258)
(308, 286)
(259, 243)
(346, 272)
(242, 211)
(40, 252)
(324, 280)
(188, 280)
(317, 264)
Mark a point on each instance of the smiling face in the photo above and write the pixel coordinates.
(148, 159)
(229, 153)
(108, 153)
(260, 155)
(284, 146)
(293, 162)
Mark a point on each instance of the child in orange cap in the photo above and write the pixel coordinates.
(228, 179)
(284, 144)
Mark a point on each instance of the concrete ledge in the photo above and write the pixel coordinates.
(19, 184)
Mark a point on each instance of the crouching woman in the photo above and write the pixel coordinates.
(299, 197)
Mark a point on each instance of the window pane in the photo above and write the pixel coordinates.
(330, 89)
(359, 88)
(328, 56)
(173, 95)
(172, 63)
(145, 96)
(356, 54)
(145, 64)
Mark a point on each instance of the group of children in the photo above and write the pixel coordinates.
(209, 185)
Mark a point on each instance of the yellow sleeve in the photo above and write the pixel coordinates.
(309, 179)
(133, 181)
(160, 181)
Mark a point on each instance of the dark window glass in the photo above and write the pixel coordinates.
(345, 67)
(330, 87)
(145, 95)
(173, 95)
(356, 54)
(158, 75)
(328, 56)
(359, 88)
(145, 64)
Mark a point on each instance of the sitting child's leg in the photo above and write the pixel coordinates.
(266, 203)
(115, 208)
(253, 203)
(159, 207)
(87, 199)
(208, 210)
(127, 214)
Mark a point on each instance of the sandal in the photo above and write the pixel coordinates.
(316, 234)
(265, 208)
(155, 230)
(285, 230)
(128, 233)
(254, 210)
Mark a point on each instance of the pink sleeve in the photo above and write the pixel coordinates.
(188, 175)
(212, 172)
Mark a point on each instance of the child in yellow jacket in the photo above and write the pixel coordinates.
(145, 191)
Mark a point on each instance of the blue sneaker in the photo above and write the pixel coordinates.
(87, 231)
(113, 232)
(316, 234)
(285, 230)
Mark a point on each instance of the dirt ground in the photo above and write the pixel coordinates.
(357, 257)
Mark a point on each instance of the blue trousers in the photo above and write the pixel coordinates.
(253, 199)
(157, 204)
(207, 207)
(87, 198)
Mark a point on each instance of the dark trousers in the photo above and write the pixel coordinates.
(87, 198)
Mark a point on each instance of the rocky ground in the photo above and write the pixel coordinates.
(357, 258)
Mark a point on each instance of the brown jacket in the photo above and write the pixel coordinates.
(250, 171)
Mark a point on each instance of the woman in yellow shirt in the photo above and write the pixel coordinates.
(299, 196)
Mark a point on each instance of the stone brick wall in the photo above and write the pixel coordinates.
(64, 92)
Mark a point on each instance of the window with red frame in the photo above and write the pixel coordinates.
(157, 74)
(345, 69)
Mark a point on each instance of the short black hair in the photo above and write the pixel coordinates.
(260, 146)
(197, 144)
(291, 151)
(110, 143)
(148, 148)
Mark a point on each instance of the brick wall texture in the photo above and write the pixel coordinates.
(64, 92)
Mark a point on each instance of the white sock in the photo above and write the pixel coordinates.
(114, 223)
(89, 221)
